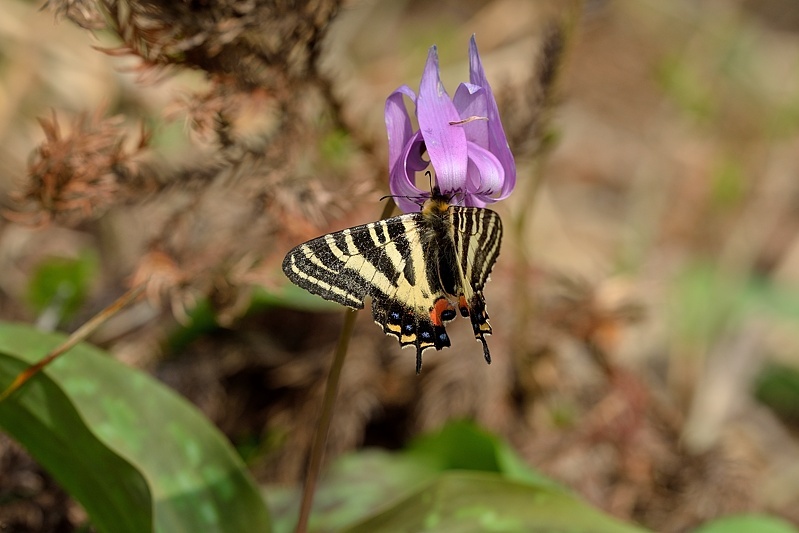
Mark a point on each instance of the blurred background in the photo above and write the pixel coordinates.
(645, 303)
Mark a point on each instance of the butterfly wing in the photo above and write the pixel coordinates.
(403, 264)
(345, 266)
(386, 260)
(477, 234)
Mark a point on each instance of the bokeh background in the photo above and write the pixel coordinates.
(645, 304)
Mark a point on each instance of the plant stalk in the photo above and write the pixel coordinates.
(328, 402)
(77, 336)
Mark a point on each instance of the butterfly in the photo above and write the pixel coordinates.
(418, 268)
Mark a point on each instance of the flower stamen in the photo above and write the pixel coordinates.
(467, 120)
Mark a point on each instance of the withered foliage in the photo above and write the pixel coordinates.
(525, 114)
(84, 13)
(247, 174)
(254, 43)
(78, 174)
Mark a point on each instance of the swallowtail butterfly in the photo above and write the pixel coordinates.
(417, 267)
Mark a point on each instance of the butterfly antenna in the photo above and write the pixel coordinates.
(415, 199)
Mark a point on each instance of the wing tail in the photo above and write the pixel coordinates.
(475, 309)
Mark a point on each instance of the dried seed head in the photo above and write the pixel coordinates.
(77, 175)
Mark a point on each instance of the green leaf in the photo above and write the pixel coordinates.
(383, 491)
(353, 487)
(62, 283)
(464, 446)
(749, 523)
(42, 418)
(466, 502)
(777, 386)
(109, 433)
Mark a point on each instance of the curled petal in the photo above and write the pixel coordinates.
(402, 182)
(497, 142)
(398, 123)
(446, 144)
(413, 156)
(473, 200)
(485, 175)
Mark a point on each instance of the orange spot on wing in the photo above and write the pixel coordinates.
(439, 307)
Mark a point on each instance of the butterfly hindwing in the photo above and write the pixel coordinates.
(477, 234)
(411, 266)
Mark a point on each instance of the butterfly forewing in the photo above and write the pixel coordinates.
(410, 265)
(349, 265)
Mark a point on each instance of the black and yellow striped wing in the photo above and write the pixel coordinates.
(476, 234)
(412, 266)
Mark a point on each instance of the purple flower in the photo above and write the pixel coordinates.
(462, 136)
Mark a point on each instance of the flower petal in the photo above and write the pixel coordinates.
(472, 200)
(398, 123)
(402, 179)
(445, 143)
(485, 175)
(497, 141)
(470, 101)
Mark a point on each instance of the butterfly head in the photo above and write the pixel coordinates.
(437, 204)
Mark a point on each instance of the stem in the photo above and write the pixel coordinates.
(325, 417)
(323, 425)
(77, 336)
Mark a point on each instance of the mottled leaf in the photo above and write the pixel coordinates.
(124, 445)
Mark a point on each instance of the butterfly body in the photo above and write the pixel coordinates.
(418, 268)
